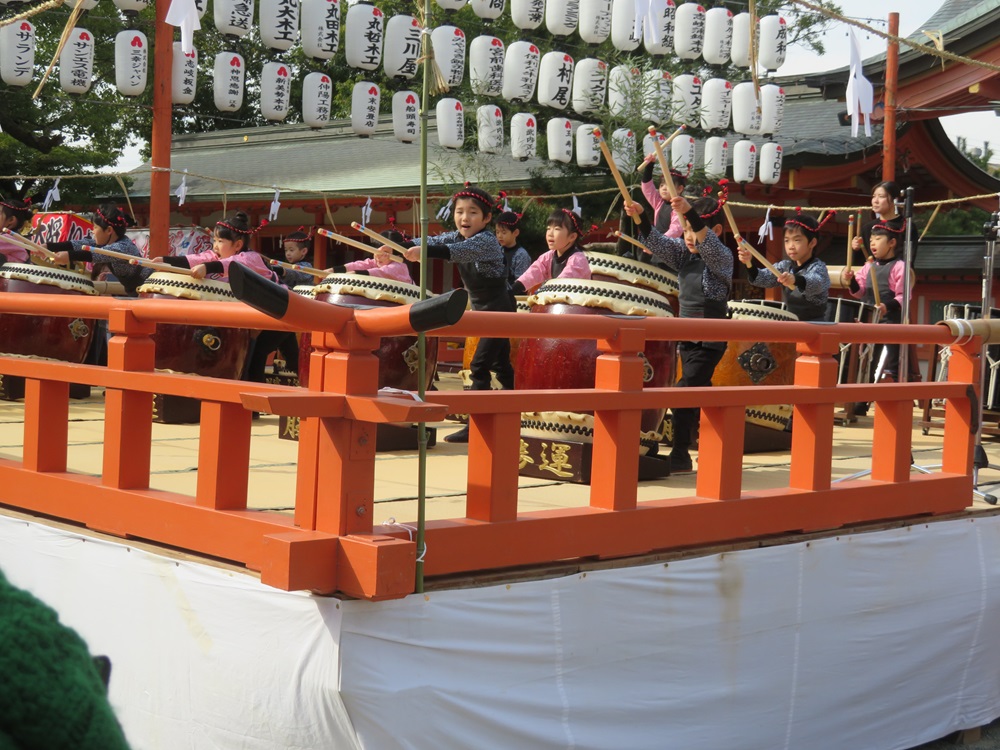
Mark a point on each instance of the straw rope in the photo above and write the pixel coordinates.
(31, 12)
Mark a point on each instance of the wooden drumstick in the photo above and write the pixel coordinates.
(24, 243)
(850, 241)
(632, 241)
(614, 170)
(376, 236)
(872, 278)
(319, 273)
(664, 167)
(750, 248)
(349, 241)
(145, 263)
(673, 135)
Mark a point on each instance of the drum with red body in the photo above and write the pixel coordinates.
(571, 363)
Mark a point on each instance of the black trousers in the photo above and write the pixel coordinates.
(267, 342)
(698, 362)
(491, 354)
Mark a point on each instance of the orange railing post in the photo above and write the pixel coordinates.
(494, 449)
(959, 427)
(223, 456)
(46, 425)
(720, 452)
(812, 434)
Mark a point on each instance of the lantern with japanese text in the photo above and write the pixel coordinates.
(746, 109)
(527, 14)
(201, 6)
(686, 100)
(405, 119)
(17, 53)
(772, 108)
(716, 104)
(623, 149)
(716, 157)
(595, 21)
(184, 77)
(588, 146)
(559, 135)
(718, 36)
(489, 127)
(658, 32)
(623, 35)
(450, 123)
(523, 136)
(739, 53)
(451, 4)
(319, 24)
(488, 9)
(363, 37)
(279, 23)
(555, 80)
(449, 52)
(76, 62)
(402, 47)
(657, 95)
(744, 161)
(770, 163)
(590, 82)
(365, 98)
(773, 42)
(647, 143)
(228, 77)
(520, 71)
(562, 16)
(131, 7)
(623, 88)
(689, 30)
(233, 17)
(275, 91)
(682, 153)
(486, 65)
(131, 62)
(86, 4)
(317, 96)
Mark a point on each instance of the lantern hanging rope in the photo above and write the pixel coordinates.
(31, 12)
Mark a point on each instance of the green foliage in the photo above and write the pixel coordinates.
(981, 157)
(956, 221)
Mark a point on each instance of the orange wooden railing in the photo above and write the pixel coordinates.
(331, 544)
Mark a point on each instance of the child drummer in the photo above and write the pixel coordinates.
(565, 257)
(230, 244)
(14, 213)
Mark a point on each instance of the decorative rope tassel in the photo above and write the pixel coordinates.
(439, 84)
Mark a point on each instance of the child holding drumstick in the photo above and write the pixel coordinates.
(565, 257)
(665, 220)
(14, 212)
(230, 244)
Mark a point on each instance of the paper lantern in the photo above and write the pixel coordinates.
(450, 123)
(555, 80)
(647, 143)
(131, 62)
(595, 21)
(405, 116)
(233, 17)
(746, 114)
(87, 4)
(279, 23)
(76, 62)
(773, 42)
(365, 99)
(184, 75)
(770, 163)
(201, 6)
(686, 100)
(523, 136)
(682, 153)
(716, 104)
(739, 53)
(658, 32)
(17, 53)
(561, 16)
(319, 28)
(489, 128)
(623, 89)
(486, 65)
(716, 157)
(588, 146)
(689, 30)
(520, 71)
(623, 35)
(228, 77)
(718, 36)
(772, 108)
(449, 52)
(363, 36)
(275, 90)
(744, 161)
(451, 4)
(131, 7)
(657, 95)
(590, 83)
(317, 96)
(488, 9)
(623, 146)
(559, 135)
(402, 47)
(527, 14)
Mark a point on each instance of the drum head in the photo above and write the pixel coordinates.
(634, 272)
(187, 287)
(71, 281)
(754, 309)
(370, 287)
(615, 298)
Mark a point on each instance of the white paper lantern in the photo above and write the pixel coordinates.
(647, 143)
(279, 23)
(486, 65)
(402, 47)
(520, 71)
(773, 42)
(527, 14)
(489, 127)
(488, 9)
(317, 96)
(716, 104)
(450, 123)
(131, 62)
(275, 91)
(746, 113)
(233, 17)
(17, 53)
(201, 6)
(184, 75)
(365, 99)
(561, 16)
(590, 83)
(686, 100)
(658, 37)
(772, 108)
(363, 36)
(76, 62)
(718, 36)
(227, 81)
(595, 21)
(623, 147)
(716, 157)
(523, 136)
(559, 135)
(555, 80)
(87, 4)
(739, 53)
(588, 146)
(451, 4)
(449, 52)
(319, 22)
(770, 163)
(624, 89)
(131, 7)
(682, 153)
(689, 30)
(623, 35)
(744, 161)
(657, 90)
(405, 116)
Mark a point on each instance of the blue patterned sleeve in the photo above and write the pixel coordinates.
(670, 250)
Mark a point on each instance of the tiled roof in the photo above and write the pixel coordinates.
(950, 255)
